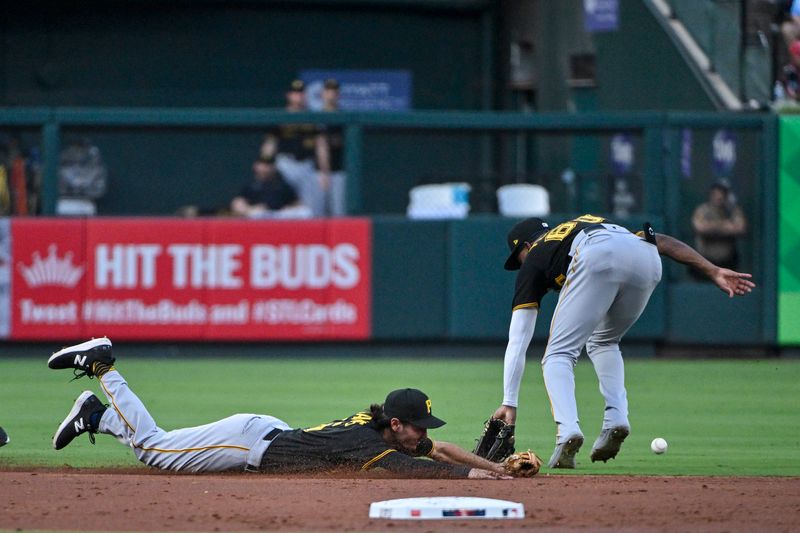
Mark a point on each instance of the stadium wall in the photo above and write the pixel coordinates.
(350, 280)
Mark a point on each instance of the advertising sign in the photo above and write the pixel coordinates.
(623, 154)
(723, 148)
(191, 279)
(361, 90)
(601, 15)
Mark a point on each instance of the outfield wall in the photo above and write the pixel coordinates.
(385, 279)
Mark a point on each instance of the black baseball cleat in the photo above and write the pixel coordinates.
(608, 443)
(81, 357)
(78, 420)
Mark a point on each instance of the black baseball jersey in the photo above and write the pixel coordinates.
(353, 444)
(297, 140)
(275, 193)
(335, 136)
(546, 266)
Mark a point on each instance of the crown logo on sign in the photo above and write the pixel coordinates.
(51, 270)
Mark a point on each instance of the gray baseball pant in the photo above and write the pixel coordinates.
(610, 279)
(233, 443)
(305, 179)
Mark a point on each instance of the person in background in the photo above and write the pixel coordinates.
(298, 151)
(791, 26)
(268, 192)
(332, 156)
(789, 78)
(717, 224)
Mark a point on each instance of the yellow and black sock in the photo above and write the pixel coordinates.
(99, 369)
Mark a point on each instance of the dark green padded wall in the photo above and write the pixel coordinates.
(701, 313)
(409, 288)
(235, 54)
(227, 53)
(480, 289)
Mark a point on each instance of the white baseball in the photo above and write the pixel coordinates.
(658, 446)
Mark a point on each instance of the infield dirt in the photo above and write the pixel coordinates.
(144, 500)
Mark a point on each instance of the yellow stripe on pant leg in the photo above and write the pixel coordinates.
(116, 407)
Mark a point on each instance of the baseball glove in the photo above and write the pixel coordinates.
(496, 442)
(523, 464)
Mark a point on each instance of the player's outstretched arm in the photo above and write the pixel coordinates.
(520, 333)
(729, 281)
(446, 452)
(479, 473)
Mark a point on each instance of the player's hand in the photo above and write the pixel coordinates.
(506, 413)
(731, 282)
(479, 473)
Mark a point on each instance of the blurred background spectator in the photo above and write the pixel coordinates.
(717, 224)
(333, 152)
(266, 194)
(791, 26)
(20, 178)
(82, 178)
(300, 150)
(789, 78)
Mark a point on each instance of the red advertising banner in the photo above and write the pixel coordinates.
(191, 279)
(47, 280)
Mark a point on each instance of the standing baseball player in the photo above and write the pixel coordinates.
(604, 275)
(389, 436)
(299, 150)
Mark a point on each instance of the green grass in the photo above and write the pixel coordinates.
(719, 417)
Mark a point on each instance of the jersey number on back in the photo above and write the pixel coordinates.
(560, 232)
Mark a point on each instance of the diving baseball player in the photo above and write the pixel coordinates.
(604, 275)
(390, 436)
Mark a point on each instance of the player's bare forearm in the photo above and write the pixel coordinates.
(730, 282)
(322, 151)
(479, 473)
(446, 452)
(683, 253)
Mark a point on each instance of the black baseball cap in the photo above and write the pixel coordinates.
(297, 86)
(412, 406)
(527, 230)
(331, 83)
(722, 184)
